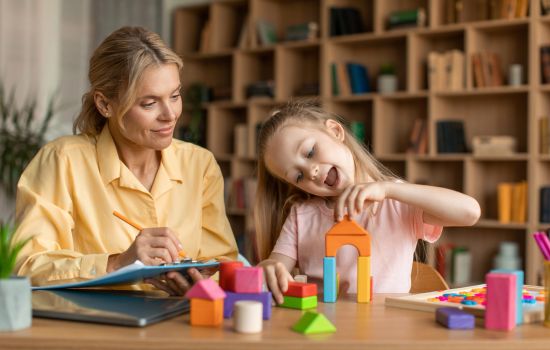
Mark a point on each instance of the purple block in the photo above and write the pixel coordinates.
(454, 318)
(231, 298)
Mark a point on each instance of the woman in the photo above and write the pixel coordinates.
(124, 160)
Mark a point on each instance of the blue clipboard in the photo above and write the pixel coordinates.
(133, 273)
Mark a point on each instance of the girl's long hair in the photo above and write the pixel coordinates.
(275, 197)
(116, 67)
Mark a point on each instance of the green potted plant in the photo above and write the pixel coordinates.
(15, 292)
(20, 137)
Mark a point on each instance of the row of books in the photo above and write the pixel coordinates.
(450, 136)
(446, 70)
(544, 209)
(345, 21)
(407, 19)
(418, 140)
(240, 193)
(544, 134)
(456, 10)
(545, 64)
(349, 79)
(512, 202)
(454, 263)
(487, 69)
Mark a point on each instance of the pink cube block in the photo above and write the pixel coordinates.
(248, 279)
(500, 311)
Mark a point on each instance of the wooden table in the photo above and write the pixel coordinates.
(359, 326)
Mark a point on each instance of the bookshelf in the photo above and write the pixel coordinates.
(224, 62)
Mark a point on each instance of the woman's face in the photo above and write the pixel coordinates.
(151, 120)
(313, 160)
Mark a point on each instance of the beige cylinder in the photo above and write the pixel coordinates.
(300, 278)
(247, 316)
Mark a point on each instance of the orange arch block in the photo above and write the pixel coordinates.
(347, 232)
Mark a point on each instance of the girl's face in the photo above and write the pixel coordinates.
(315, 161)
(150, 121)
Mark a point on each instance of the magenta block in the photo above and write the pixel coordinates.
(248, 279)
(500, 311)
(231, 298)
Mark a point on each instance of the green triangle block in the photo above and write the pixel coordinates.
(312, 323)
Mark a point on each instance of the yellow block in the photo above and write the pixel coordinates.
(363, 279)
(337, 283)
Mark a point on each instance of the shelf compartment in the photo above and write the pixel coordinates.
(508, 42)
(252, 67)
(397, 115)
(422, 45)
(215, 72)
(220, 137)
(281, 14)
(485, 115)
(483, 244)
(297, 71)
(371, 53)
(365, 8)
(355, 112)
(482, 179)
(188, 26)
(448, 174)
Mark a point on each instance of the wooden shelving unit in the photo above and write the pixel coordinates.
(503, 110)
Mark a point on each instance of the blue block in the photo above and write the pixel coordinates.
(231, 298)
(454, 318)
(519, 291)
(329, 279)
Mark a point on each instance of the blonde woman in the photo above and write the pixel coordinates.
(123, 159)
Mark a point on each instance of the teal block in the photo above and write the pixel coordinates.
(329, 279)
(519, 291)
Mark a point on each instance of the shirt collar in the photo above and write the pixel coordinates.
(109, 162)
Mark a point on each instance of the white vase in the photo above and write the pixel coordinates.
(15, 303)
(387, 84)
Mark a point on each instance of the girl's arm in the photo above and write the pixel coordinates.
(441, 206)
(277, 274)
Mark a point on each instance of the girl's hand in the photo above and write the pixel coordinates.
(359, 197)
(276, 277)
(152, 246)
(174, 283)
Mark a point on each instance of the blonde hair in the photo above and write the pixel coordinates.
(115, 70)
(275, 197)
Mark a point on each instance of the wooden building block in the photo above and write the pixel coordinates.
(363, 279)
(205, 289)
(333, 243)
(301, 290)
(454, 318)
(206, 312)
(248, 279)
(500, 312)
(227, 274)
(313, 323)
(519, 291)
(329, 280)
(248, 316)
(232, 298)
(299, 303)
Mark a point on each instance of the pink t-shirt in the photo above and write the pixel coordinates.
(394, 232)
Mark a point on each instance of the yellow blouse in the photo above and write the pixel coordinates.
(67, 195)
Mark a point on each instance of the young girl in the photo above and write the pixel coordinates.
(311, 172)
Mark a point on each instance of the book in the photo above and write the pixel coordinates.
(436, 71)
(479, 79)
(544, 208)
(334, 79)
(359, 78)
(455, 74)
(417, 137)
(266, 32)
(545, 64)
(344, 82)
(504, 199)
(130, 274)
(345, 21)
(414, 18)
(450, 136)
(544, 135)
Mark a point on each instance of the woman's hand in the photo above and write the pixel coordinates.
(174, 283)
(276, 277)
(152, 246)
(359, 197)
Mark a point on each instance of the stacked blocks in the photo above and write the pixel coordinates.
(454, 318)
(313, 323)
(500, 312)
(206, 303)
(244, 283)
(300, 296)
(347, 232)
(227, 274)
(519, 291)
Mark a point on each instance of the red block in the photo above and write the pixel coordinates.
(500, 312)
(227, 274)
(301, 290)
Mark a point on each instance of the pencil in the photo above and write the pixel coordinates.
(126, 220)
(181, 253)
